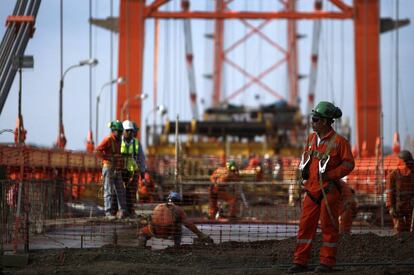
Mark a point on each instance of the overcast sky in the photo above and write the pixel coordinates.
(335, 78)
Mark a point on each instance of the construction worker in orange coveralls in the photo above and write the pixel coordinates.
(347, 208)
(400, 193)
(221, 191)
(112, 165)
(166, 221)
(146, 189)
(327, 158)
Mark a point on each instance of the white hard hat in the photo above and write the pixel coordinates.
(128, 125)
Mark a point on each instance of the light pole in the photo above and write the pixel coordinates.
(61, 140)
(21, 62)
(119, 80)
(140, 98)
(160, 109)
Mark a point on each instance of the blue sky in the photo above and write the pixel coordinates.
(335, 78)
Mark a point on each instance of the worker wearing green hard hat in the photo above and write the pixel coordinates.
(112, 164)
(327, 158)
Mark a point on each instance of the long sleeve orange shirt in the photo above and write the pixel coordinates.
(110, 151)
(341, 161)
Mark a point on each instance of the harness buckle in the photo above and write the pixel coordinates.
(322, 167)
(303, 163)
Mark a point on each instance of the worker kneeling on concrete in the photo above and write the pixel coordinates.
(400, 193)
(219, 190)
(166, 223)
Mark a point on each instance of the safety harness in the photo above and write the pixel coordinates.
(131, 164)
(324, 158)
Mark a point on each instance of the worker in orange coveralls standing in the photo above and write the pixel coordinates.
(400, 192)
(112, 165)
(347, 208)
(166, 222)
(327, 158)
(221, 191)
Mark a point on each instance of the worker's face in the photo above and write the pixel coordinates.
(117, 134)
(128, 134)
(318, 123)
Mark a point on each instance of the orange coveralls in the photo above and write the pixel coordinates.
(219, 191)
(255, 165)
(400, 193)
(347, 208)
(341, 163)
(166, 221)
(146, 189)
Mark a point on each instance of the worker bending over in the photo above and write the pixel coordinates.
(326, 159)
(400, 193)
(219, 190)
(166, 223)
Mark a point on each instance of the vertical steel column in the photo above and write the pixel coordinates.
(367, 74)
(218, 54)
(293, 55)
(131, 57)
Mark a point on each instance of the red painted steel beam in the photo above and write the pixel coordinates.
(131, 57)
(245, 37)
(367, 74)
(292, 56)
(261, 75)
(154, 6)
(254, 79)
(341, 5)
(253, 15)
(264, 36)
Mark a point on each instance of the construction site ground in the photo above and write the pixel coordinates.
(358, 253)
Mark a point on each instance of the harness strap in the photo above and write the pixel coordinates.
(327, 190)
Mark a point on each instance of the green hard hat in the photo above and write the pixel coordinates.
(231, 165)
(327, 110)
(116, 125)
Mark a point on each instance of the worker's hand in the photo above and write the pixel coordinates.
(393, 213)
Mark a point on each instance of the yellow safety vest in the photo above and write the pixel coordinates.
(130, 152)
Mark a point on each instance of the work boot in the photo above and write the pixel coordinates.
(323, 268)
(297, 268)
